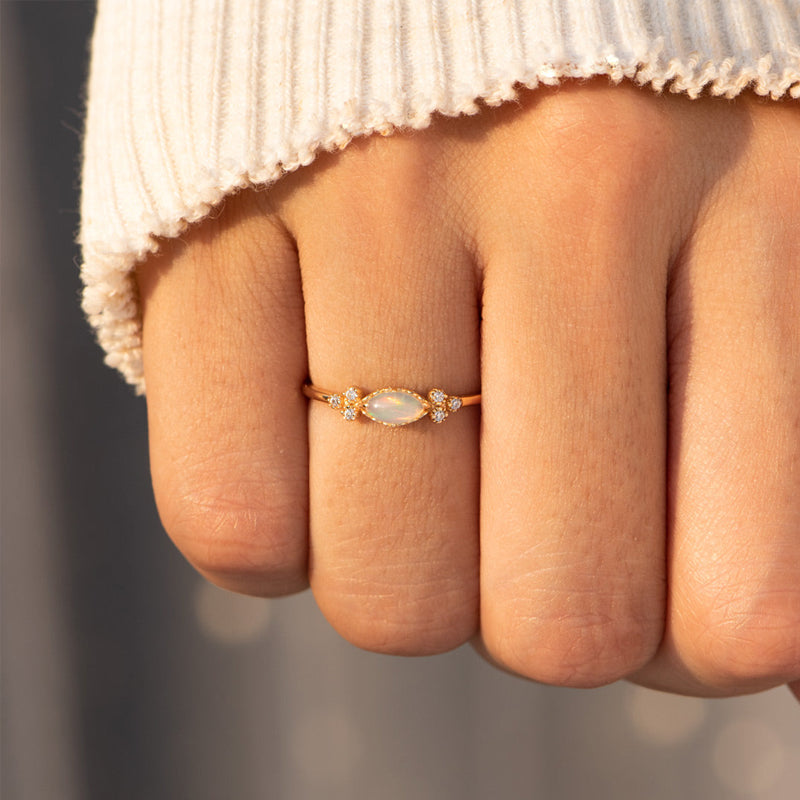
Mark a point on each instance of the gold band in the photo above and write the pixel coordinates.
(392, 406)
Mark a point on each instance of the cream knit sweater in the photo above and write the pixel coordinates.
(190, 100)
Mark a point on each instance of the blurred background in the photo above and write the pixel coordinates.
(125, 676)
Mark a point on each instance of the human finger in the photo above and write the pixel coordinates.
(224, 359)
(734, 617)
(574, 417)
(391, 301)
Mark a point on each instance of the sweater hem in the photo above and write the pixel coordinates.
(110, 298)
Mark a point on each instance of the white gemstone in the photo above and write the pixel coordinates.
(351, 394)
(349, 413)
(455, 403)
(438, 396)
(336, 401)
(439, 414)
(394, 407)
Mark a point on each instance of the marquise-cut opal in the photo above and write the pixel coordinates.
(394, 408)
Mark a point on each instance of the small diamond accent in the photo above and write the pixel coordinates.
(336, 401)
(455, 403)
(349, 413)
(351, 394)
(438, 415)
(438, 396)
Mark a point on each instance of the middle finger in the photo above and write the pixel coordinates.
(574, 417)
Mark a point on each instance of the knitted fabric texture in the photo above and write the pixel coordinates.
(190, 100)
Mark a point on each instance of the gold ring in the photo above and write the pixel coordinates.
(391, 406)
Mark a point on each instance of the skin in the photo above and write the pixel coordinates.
(619, 273)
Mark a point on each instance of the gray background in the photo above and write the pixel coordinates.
(125, 676)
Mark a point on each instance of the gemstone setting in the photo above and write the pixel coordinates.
(391, 406)
(394, 407)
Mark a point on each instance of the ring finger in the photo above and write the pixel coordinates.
(394, 511)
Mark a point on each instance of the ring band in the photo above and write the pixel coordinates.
(392, 406)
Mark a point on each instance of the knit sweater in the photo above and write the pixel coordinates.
(190, 100)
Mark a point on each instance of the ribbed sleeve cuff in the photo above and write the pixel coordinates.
(190, 100)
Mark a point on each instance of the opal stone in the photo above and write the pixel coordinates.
(394, 407)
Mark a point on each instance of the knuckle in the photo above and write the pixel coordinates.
(742, 643)
(241, 543)
(384, 175)
(395, 621)
(618, 143)
(607, 159)
(584, 650)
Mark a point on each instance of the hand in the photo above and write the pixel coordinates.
(619, 274)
